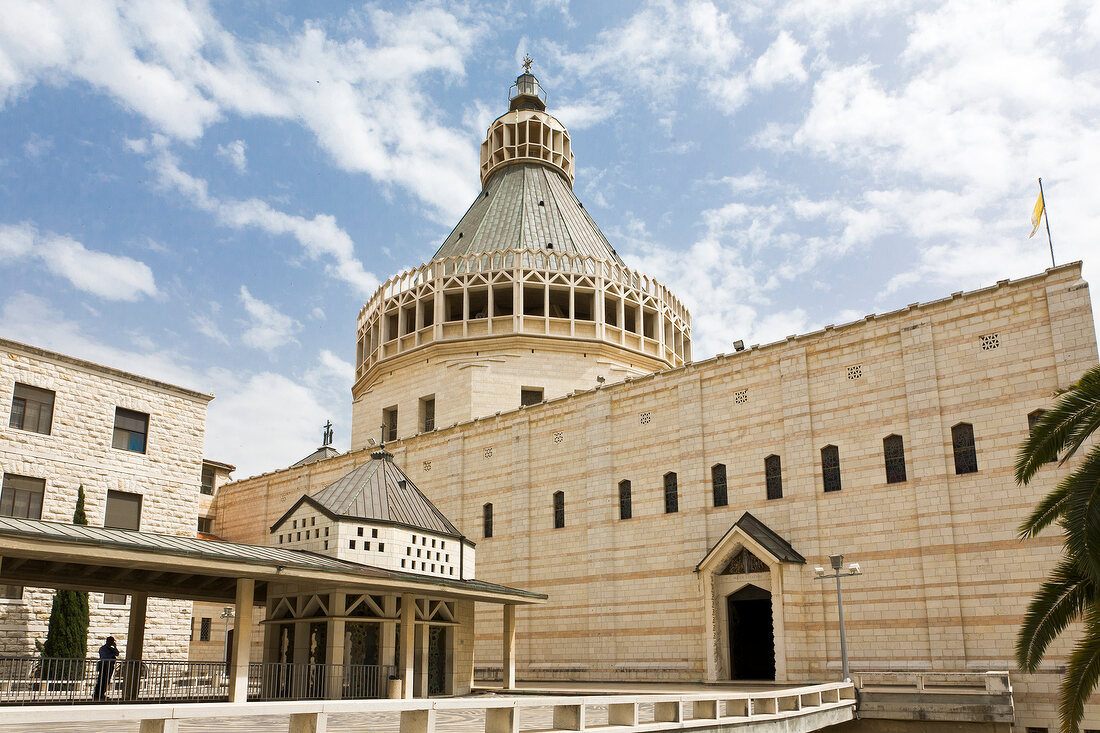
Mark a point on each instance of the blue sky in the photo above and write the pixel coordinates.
(208, 193)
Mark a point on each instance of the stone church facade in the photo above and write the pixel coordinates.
(674, 510)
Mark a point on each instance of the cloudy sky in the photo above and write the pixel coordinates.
(208, 193)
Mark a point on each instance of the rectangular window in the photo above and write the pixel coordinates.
(123, 510)
(830, 468)
(389, 419)
(559, 509)
(962, 444)
(351, 544)
(487, 520)
(11, 592)
(206, 486)
(773, 477)
(427, 414)
(31, 409)
(21, 496)
(204, 630)
(718, 484)
(626, 511)
(114, 599)
(893, 451)
(530, 396)
(130, 430)
(206, 525)
(672, 500)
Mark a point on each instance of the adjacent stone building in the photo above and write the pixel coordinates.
(673, 511)
(134, 444)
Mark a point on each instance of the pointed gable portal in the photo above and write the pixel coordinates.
(744, 562)
(759, 546)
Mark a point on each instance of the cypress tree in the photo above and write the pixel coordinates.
(67, 637)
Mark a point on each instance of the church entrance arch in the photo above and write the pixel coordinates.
(750, 634)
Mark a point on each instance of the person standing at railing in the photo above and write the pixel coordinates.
(105, 667)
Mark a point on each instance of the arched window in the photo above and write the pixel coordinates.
(830, 468)
(672, 502)
(718, 482)
(962, 443)
(487, 520)
(893, 451)
(624, 500)
(559, 509)
(1032, 419)
(773, 477)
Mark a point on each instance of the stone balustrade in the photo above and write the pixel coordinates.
(796, 709)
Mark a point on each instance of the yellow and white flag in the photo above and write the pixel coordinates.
(1036, 216)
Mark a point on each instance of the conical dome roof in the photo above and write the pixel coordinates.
(527, 207)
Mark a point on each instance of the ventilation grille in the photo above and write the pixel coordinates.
(989, 341)
(427, 465)
(855, 371)
(559, 437)
(741, 396)
(645, 418)
(489, 452)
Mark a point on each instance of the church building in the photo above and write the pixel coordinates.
(544, 395)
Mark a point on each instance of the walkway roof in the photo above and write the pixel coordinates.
(60, 555)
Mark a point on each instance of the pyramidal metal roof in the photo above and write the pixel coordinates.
(379, 491)
(527, 206)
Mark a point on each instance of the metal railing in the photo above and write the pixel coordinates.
(279, 681)
(44, 681)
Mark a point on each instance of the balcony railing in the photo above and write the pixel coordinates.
(38, 681)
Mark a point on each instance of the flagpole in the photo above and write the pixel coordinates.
(1047, 220)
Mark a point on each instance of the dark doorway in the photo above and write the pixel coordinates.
(751, 638)
(437, 660)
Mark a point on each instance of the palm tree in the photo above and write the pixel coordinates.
(1072, 592)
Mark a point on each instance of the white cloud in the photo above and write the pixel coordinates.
(782, 62)
(582, 116)
(268, 329)
(320, 237)
(112, 277)
(234, 153)
(207, 327)
(173, 64)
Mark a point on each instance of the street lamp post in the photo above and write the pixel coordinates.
(837, 562)
(227, 613)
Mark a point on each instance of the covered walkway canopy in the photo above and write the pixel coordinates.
(144, 564)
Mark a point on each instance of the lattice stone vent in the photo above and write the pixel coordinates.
(427, 465)
(989, 341)
(489, 452)
(559, 437)
(741, 396)
(645, 418)
(855, 371)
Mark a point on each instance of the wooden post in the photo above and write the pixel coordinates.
(509, 657)
(405, 665)
(135, 645)
(242, 640)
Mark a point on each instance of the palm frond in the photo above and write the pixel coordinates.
(1082, 673)
(1082, 514)
(1063, 428)
(1058, 602)
(1050, 509)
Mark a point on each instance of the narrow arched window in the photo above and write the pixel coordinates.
(624, 500)
(672, 501)
(487, 520)
(830, 468)
(893, 451)
(718, 484)
(962, 443)
(773, 477)
(1033, 419)
(559, 509)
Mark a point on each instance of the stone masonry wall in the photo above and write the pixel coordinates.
(78, 451)
(945, 580)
